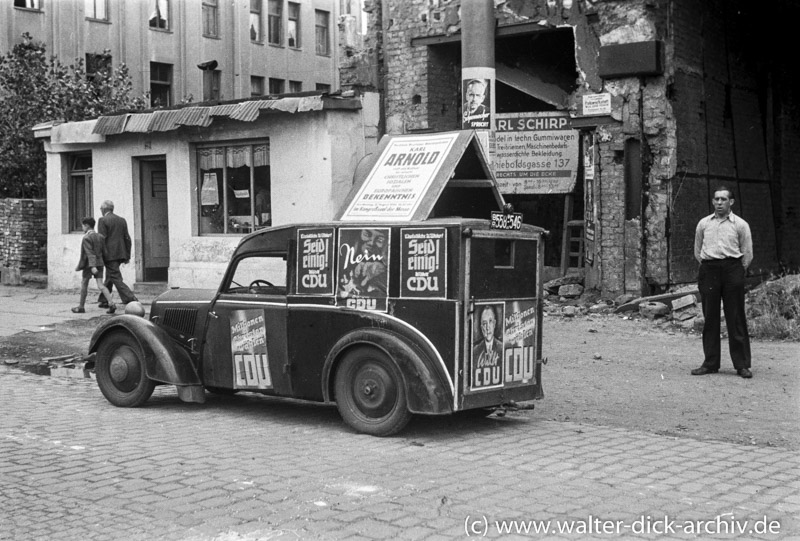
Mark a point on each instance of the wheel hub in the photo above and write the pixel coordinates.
(118, 368)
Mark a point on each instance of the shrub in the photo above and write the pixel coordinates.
(773, 309)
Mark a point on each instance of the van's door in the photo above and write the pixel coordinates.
(502, 346)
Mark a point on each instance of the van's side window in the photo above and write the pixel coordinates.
(261, 274)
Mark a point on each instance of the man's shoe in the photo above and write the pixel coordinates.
(102, 305)
(78, 310)
(702, 371)
(745, 373)
(111, 309)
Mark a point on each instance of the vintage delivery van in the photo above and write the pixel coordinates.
(383, 317)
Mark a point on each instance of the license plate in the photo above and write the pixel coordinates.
(501, 220)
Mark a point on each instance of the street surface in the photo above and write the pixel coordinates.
(72, 466)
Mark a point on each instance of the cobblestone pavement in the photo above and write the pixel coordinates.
(248, 467)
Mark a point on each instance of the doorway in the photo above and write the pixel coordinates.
(155, 220)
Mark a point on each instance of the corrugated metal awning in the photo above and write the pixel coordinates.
(170, 119)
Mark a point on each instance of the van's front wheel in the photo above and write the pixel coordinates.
(370, 393)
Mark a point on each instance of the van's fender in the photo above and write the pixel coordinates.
(165, 361)
(425, 391)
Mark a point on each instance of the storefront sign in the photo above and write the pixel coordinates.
(363, 268)
(423, 270)
(315, 261)
(249, 349)
(536, 153)
(400, 179)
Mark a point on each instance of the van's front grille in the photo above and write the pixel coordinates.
(181, 319)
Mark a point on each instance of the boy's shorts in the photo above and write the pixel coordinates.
(87, 273)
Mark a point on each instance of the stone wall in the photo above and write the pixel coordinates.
(23, 235)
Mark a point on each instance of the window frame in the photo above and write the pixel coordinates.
(296, 19)
(276, 86)
(321, 30)
(257, 14)
(210, 10)
(167, 26)
(161, 83)
(92, 4)
(295, 87)
(36, 5)
(260, 80)
(275, 18)
(76, 212)
(212, 85)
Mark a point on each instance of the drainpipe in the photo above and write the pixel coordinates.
(477, 69)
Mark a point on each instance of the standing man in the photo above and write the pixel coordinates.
(724, 247)
(117, 251)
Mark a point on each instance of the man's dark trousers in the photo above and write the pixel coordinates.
(114, 278)
(723, 279)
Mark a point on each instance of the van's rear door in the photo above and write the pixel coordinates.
(502, 330)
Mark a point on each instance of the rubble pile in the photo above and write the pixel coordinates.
(780, 298)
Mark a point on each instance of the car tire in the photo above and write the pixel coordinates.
(370, 393)
(120, 371)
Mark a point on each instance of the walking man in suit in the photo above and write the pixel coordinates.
(723, 246)
(117, 251)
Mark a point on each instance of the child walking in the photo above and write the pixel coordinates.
(91, 263)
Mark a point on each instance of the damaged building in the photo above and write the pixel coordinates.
(667, 99)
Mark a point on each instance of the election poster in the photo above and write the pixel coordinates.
(476, 103)
(315, 261)
(423, 265)
(519, 343)
(486, 369)
(363, 268)
(536, 153)
(400, 178)
(249, 349)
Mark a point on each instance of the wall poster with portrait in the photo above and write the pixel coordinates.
(362, 273)
(486, 368)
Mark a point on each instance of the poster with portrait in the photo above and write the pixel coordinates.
(423, 263)
(519, 343)
(362, 273)
(588, 156)
(476, 104)
(486, 360)
(249, 349)
(315, 261)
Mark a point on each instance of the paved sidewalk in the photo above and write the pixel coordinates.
(35, 310)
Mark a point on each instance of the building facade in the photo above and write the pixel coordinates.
(693, 95)
(182, 50)
(191, 181)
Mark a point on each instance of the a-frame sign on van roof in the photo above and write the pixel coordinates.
(409, 173)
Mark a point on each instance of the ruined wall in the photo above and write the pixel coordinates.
(721, 90)
(23, 234)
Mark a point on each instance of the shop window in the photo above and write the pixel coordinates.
(211, 84)
(160, 84)
(256, 86)
(322, 30)
(293, 28)
(234, 187)
(79, 191)
(159, 17)
(256, 33)
(276, 86)
(96, 9)
(210, 19)
(274, 17)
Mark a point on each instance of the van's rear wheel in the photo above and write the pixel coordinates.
(121, 372)
(370, 393)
